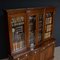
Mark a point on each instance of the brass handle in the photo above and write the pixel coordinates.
(43, 47)
(26, 55)
(48, 44)
(35, 52)
(53, 42)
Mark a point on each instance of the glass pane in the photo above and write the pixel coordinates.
(49, 14)
(18, 34)
(32, 28)
(49, 18)
(47, 35)
(48, 28)
(40, 22)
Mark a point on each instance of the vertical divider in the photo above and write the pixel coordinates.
(43, 25)
(36, 33)
(27, 30)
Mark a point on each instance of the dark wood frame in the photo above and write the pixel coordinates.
(45, 44)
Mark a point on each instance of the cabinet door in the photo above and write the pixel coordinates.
(17, 31)
(48, 23)
(42, 54)
(50, 52)
(32, 28)
(35, 19)
(34, 55)
(23, 57)
(31, 56)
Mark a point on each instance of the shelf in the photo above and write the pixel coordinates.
(29, 30)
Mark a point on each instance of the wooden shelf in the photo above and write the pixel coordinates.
(27, 30)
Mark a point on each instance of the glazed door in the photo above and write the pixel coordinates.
(48, 23)
(32, 31)
(40, 27)
(17, 32)
(32, 27)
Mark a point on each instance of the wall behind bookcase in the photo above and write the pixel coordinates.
(25, 4)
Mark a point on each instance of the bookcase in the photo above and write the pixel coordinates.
(31, 33)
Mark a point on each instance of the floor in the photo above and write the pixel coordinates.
(56, 54)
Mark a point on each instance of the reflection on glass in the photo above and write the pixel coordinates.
(18, 34)
(49, 14)
(48, 18)
(39, 37)
(32, 23)
(48, 28)
(47, 35)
